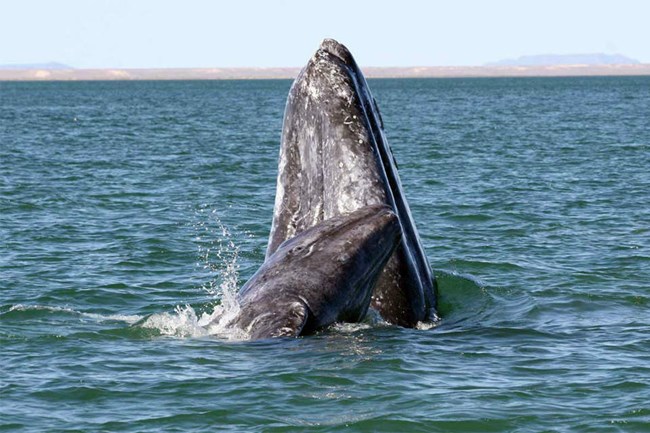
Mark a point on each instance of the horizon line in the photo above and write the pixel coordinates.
(290, 72)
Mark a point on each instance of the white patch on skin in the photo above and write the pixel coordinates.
(317, 212)
(314, 91)
(285, 332)
(256, 320)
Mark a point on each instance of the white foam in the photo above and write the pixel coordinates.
(185, 323)
(181, 323)
(349, 328)
(425, 326)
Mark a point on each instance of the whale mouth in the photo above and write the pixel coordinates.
(335, 159)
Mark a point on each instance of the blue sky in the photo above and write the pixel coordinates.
(228, 33)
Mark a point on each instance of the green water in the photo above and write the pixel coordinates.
(128, 210)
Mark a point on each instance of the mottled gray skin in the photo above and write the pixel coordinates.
(323, 275)
(334, 159)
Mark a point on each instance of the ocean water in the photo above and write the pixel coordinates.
(131, 212)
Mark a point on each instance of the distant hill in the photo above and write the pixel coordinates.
(567, 59)
(49, 66)
(580, 70)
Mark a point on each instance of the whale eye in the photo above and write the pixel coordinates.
(343, 258)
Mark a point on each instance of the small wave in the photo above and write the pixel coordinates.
(461, 298)
(129, 319)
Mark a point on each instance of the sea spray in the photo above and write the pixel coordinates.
(218, 257)
(218, 264)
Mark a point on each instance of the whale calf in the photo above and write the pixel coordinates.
(323, 275)
(334, 159)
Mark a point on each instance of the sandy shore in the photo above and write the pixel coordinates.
(279, 73)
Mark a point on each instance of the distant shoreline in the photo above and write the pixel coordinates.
(290, 73)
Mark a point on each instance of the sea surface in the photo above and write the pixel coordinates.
(131, 213)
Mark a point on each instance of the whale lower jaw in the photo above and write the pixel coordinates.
(323, 275)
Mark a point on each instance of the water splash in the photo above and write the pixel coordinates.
(218, 264)
(184, 322)
(462, 297)
(218, 257)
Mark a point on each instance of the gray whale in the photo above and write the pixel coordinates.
(323, 275)
(334, 159)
